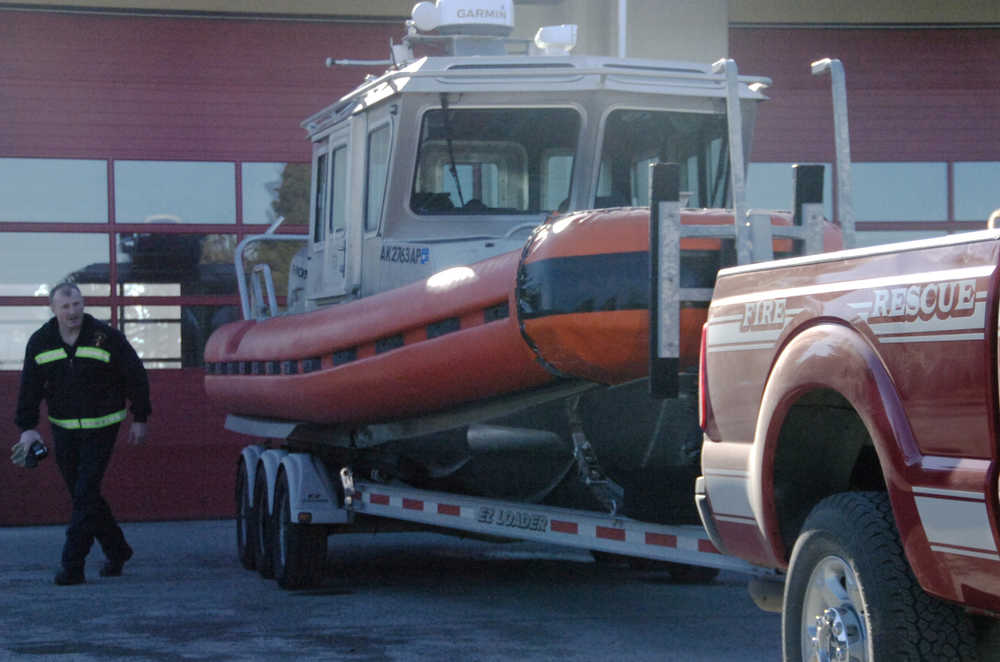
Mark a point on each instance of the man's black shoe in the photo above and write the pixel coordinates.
(114, 568)
(70, 576)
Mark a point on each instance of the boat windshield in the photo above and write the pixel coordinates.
(633, 139)
(495, 160)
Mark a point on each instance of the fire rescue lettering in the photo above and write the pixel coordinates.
(955, 298)
(769, 313)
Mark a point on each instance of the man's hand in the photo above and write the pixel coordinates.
(19, 451)
(137, 433)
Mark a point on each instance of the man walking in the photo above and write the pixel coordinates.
(84, 370)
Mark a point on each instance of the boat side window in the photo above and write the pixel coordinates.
(320, 201)
(338, 192)
(378, 173)
(633, 139)
(494, 160)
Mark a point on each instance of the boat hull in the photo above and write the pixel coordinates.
(421, 348)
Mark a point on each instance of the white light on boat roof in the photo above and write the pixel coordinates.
(556, 39)
(472, 17)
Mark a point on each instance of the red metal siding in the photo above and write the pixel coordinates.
(109, 86)
(913, 94)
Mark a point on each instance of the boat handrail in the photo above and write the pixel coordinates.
(492, 72)
(497, 72)
(260, 272)
(241, 279)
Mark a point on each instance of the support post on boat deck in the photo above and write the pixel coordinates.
(737, 167)
(664, 272)
(842, 142)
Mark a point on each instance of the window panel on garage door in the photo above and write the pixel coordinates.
(976, 190)
(171, 264)
(175, 192)
(34, 261)
(53, 190)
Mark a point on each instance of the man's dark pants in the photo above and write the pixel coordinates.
(83, 456)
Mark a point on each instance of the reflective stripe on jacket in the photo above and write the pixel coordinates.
(89, 423)
(82, 352)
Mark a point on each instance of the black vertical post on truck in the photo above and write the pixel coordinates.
(664, 275)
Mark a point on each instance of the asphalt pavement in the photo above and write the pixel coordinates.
(386, 597)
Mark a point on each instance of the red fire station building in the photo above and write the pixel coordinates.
(141, 140)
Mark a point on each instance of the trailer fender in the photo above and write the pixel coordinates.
(269, 462)
(250, 456)
(313, 497)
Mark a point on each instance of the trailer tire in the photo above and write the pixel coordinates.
(299, 549)
(851, 595)
(262, 518)
(246, 520)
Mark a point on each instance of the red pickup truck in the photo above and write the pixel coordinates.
(850, 407)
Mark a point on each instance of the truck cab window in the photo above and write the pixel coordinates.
(494, 161)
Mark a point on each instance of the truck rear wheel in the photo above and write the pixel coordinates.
(851, 596)
(246, 522)
(262, 523)
(299, 549)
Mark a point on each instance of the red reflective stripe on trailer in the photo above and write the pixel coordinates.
(379, 499)
(707, 547)
(564, 527)
(412, 504)
(446, 509)
(609, 533)
(661, 539)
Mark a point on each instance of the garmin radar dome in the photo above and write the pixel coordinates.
(492, 18)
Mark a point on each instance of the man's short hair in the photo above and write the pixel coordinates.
(65, 286)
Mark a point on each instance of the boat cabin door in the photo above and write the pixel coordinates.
(327, 276)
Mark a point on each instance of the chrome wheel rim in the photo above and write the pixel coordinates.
(833, 624)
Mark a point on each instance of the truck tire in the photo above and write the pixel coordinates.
(299, 549)
(246, 521)
(851, 596)
(262, 519)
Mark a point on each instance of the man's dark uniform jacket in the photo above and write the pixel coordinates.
(86, 385)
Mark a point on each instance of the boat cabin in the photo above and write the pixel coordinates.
(447, 159)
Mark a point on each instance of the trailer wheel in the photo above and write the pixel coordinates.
(851, 596)
(262, 523)
(246, 521)
(299, 549)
